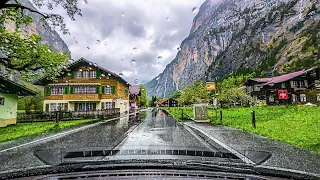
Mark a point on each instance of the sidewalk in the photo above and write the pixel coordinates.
(256, 148)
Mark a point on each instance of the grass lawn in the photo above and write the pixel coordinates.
(297, 125)
(28, 129)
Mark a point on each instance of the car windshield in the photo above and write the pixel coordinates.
(224, 82)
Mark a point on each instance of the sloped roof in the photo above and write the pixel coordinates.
(79, 62)
(8, 86)
(282, 78)
(135, 89)
(165, 99)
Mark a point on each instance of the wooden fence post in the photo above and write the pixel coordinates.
(253, 119)
(220, 115)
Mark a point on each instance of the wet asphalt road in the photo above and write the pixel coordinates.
(148, 129)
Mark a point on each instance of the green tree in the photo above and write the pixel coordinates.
(25, 54)
(233, 95)
(153, 100)
(143, 100)
(196, 93)
(176, 94)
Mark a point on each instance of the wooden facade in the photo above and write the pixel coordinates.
(168, 102)
(295, 88)
(85, 87)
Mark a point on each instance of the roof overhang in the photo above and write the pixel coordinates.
(75, 84)
(10, 87)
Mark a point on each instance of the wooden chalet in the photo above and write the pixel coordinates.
(168, 102)
(85, 87)
(298, 87)
(135, 92)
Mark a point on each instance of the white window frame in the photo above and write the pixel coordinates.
(108, 105)
(79, 74)
(271, 99)
(108, 90)
(93, 74)
(85, 90)
(85, 74)
(256, 88)
(1, 101)
(283, 85)
(303, 98)
(92, 90)
(54, 91)
(60, 90)
(89, 106)
(53, 107)
(77, 90)
(318, 97)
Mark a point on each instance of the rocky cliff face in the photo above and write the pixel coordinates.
(49, 37)
(268, 36)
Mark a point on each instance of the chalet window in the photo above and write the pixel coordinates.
(92, 74)
(283, 85)
(60, 90)
(85, 74)
(299, 84)
(126, 93)
(79, 74)
(1, 101)
(85, 90)
(271, 99)
(256, 88)
(86, 106)
(64, 78)
(54, 91)
(92, 90)
(108, 105)
(77, 90)
(249, 89)
(303, 98)
(318, 97)
(53, 107)
(294, 98)
(108, 90)
(60, 106)
(89, 106)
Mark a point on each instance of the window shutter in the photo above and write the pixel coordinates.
(98, 90)
(103, 89)
(71, 90)
(48, 90)
(66, 90)
(47, 107)
(76, 107)
(98, 73)
(102, 105)
(72, 74)
(113, 89)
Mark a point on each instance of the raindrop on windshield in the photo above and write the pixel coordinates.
(88, 48)
(120, 74)
(168, 19)
(160, 57)
(109, 74)
(135, 48)
(194, 10)
(136, 81)
(80, 70)
(85, 1)
(179, 48)
(123, 15)
(133, 61)
(95, 64)
(158, 78)
(90, 64)
(98, 41)
(69, 74)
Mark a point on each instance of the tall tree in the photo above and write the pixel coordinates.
(176, 94)
(143, 100)
(196, 93)
(25, 54)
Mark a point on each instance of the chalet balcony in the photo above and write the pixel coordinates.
(299, 88)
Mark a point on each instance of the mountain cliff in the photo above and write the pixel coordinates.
(49, 37)
(240, 36)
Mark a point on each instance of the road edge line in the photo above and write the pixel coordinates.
(233, 151)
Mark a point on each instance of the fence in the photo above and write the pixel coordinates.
(66, 115)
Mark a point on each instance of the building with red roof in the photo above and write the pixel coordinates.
(288, 88)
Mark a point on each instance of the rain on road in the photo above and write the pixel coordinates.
(151, 129)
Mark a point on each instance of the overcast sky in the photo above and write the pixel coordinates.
(140, 30)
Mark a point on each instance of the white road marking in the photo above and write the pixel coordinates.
(241, 156)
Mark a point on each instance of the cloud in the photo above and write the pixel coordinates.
(154, 28)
